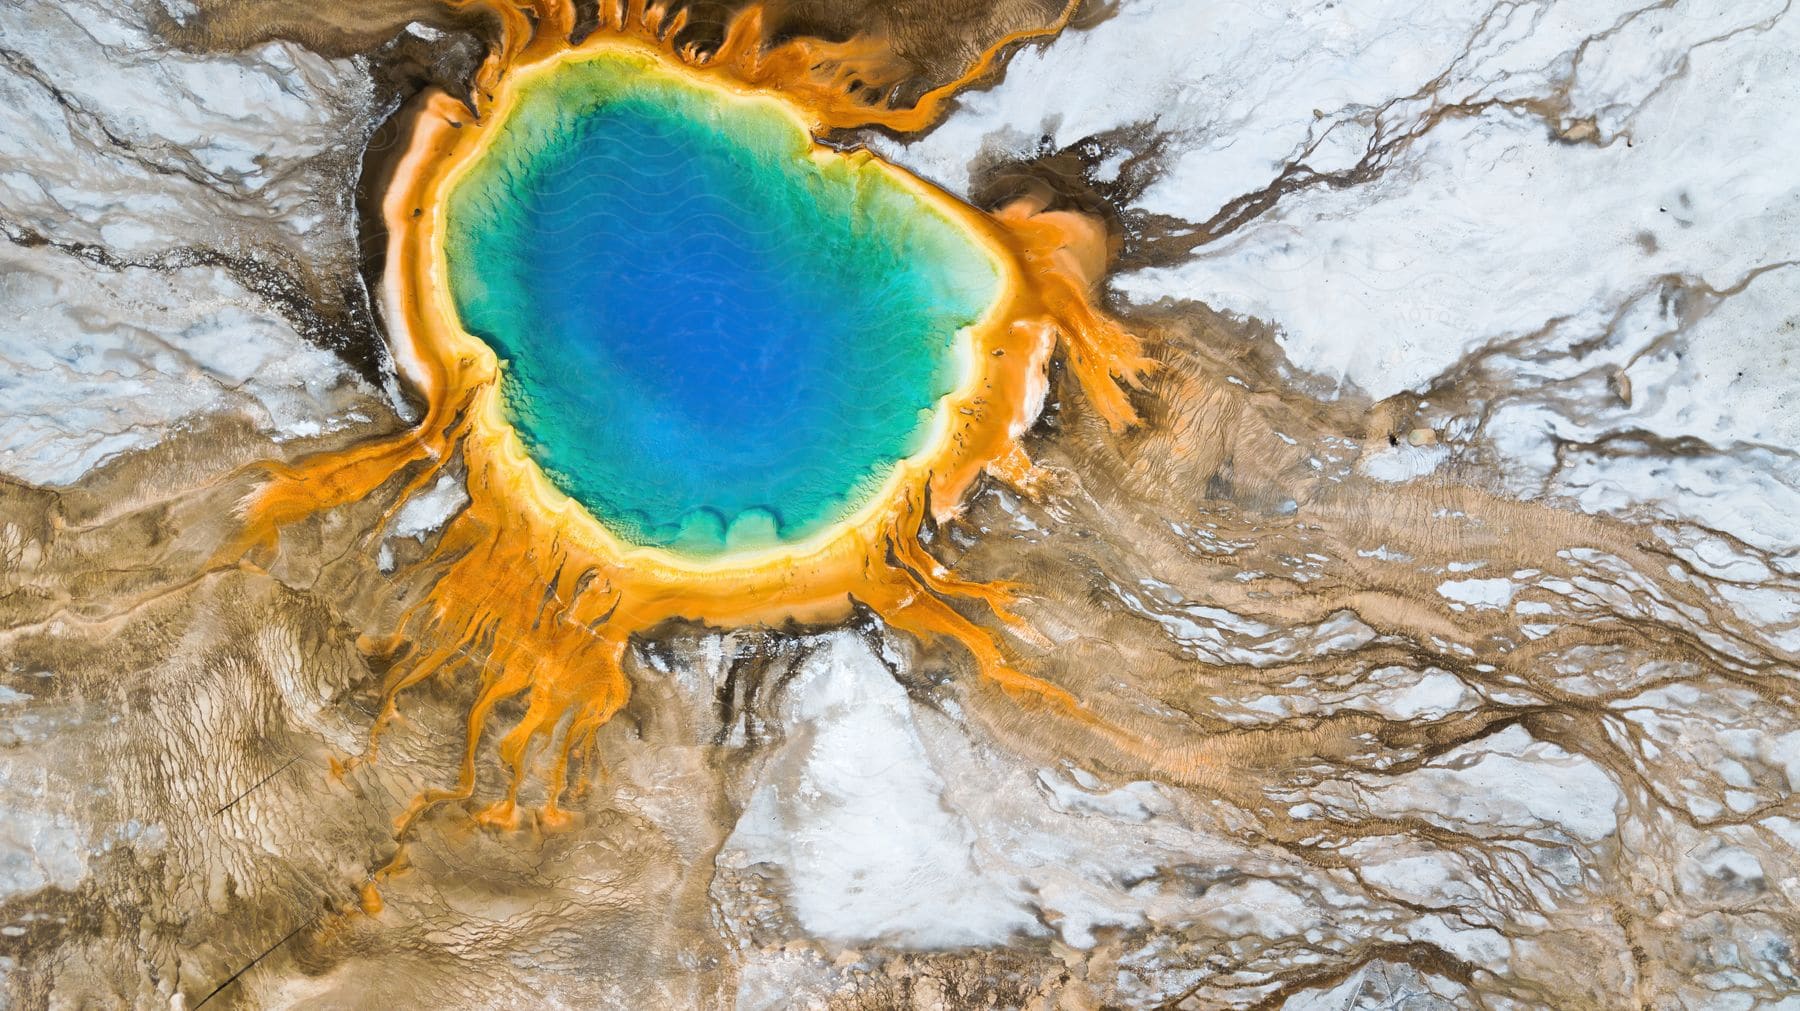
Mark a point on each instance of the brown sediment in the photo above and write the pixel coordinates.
(541, 600)
(332, 28)
(1269, 538)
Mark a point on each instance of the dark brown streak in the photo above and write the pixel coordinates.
(256, 786)
(252, 963)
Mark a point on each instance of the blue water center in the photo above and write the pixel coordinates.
(712, 338)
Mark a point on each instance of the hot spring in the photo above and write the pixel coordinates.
(715, 335)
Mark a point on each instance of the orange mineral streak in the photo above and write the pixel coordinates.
(839, 85)
(1066, 254)
(536, 597)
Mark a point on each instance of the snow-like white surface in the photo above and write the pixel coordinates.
(1383, 986)
(39, 848)
(163, 144)
(100, 363)
(429, 510)
(120, 189)
(1603, 233)
(1507, 780)
(1483, 227)
(1402, 462)
(1714, 371)
(1483, 593)
(854, 814)
(1433, 694)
